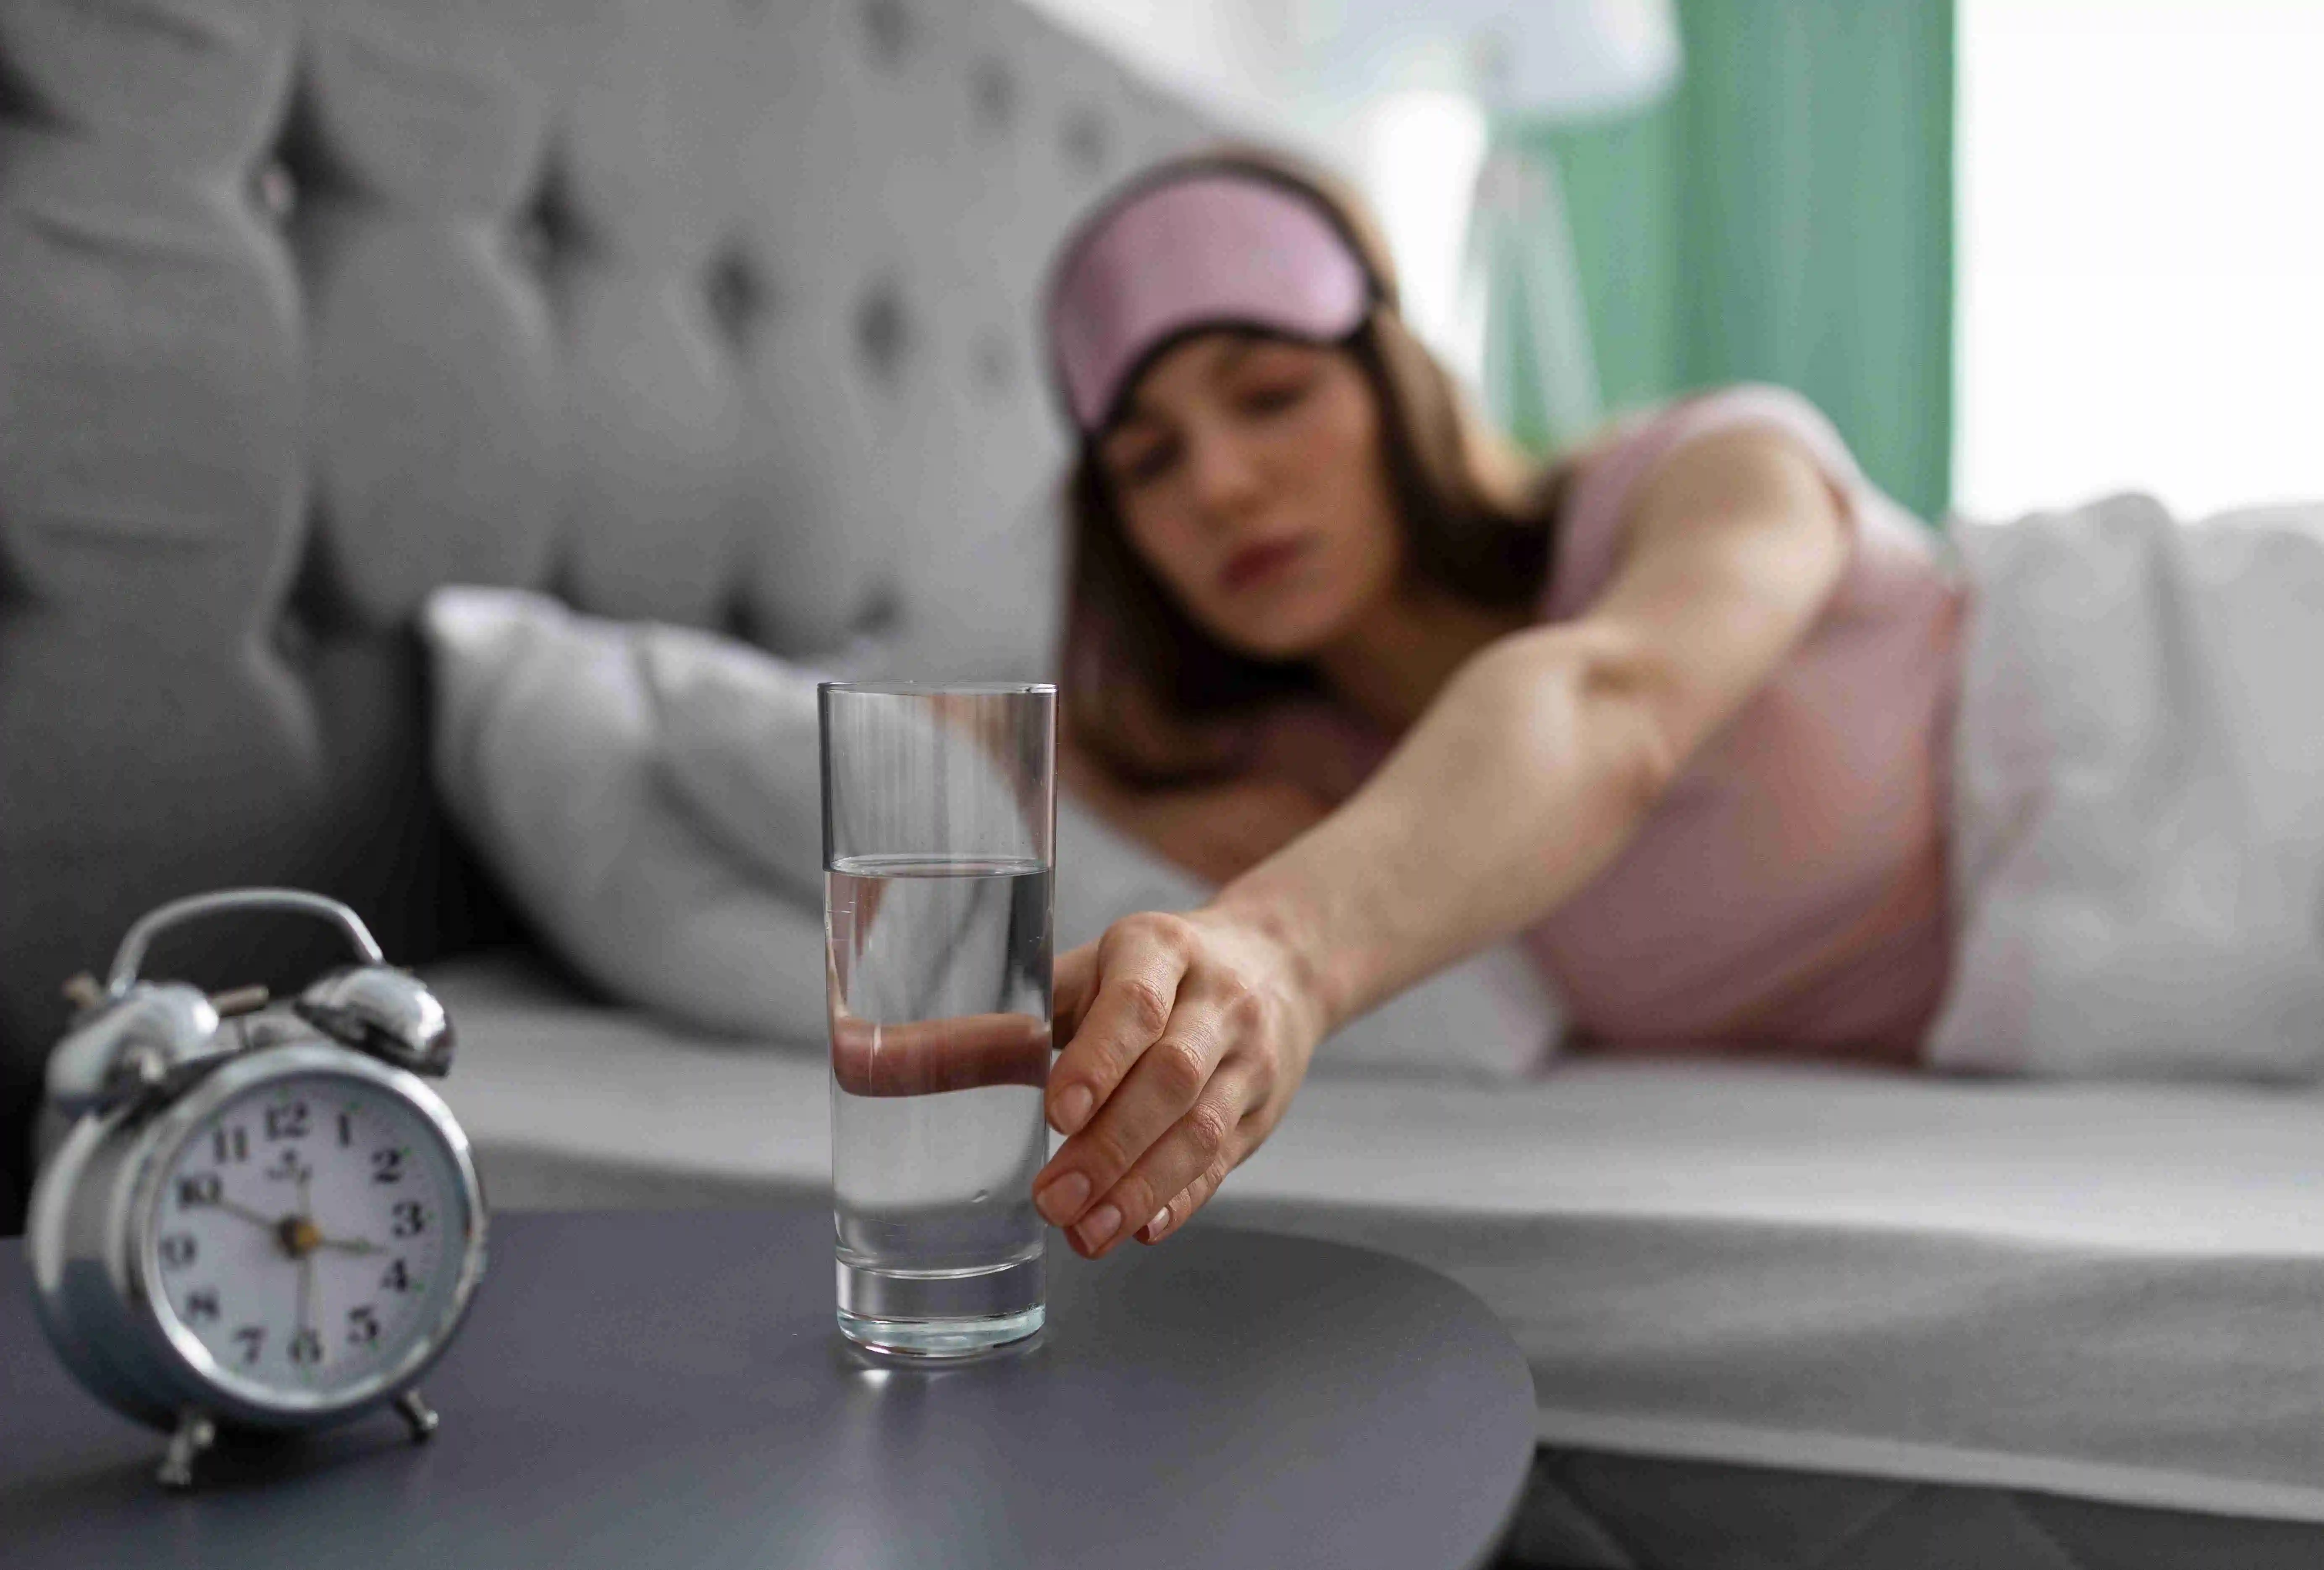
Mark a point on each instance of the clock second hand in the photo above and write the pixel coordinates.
(306, 1296)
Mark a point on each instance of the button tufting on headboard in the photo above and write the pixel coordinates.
(992, 88)
(889, 25)
(547, 231)
(1083, 138)
(735, 292)
(884, 331)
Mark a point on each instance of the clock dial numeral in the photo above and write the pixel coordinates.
(306, 1348)
(363, 1326)
(176, 1249)
(347, 1130)
(286, 1121)
(397, 1279)
(252, 1339)
(200, 1189)
(387, 1166)
(230, 1142)
(201, 1305)
(411, 1218)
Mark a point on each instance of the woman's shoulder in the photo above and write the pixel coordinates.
(1610, 467)
(1611, 464)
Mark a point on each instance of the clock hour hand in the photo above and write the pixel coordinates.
(350, 1245)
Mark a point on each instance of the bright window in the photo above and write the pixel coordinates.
(2140, 263)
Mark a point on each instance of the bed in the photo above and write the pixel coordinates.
(1780, 1316)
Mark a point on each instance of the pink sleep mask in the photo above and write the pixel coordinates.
(1201, 246)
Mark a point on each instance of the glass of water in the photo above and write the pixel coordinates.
(939, 807)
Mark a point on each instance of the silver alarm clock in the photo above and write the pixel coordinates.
(260, 1217)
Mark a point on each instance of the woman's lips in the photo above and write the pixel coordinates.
(1255, 564)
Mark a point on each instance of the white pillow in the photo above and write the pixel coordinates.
(652, 796)
(547, 737)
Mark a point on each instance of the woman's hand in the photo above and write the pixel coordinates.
(1186, 1036)
(921, 1057)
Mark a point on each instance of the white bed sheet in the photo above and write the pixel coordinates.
(2107, 1290)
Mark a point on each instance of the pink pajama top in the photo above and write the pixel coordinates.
(1788, 892)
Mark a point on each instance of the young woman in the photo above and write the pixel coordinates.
(1677, 709)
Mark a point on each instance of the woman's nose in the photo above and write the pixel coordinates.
(1225, 473)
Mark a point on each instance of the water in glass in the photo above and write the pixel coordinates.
(939, 976)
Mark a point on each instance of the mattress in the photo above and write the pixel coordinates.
(2109, 1294)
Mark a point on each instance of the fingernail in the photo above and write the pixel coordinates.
(1153, 1229)
(1074, 1108)
(1063, 1200)
(1098, 1228)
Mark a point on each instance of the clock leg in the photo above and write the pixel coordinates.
(418, 1415)
(196, 1433)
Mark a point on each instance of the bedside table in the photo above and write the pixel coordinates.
(668, 1388)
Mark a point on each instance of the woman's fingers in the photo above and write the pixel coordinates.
(1158, 1129)
(1190, 1199)
(1160, 1088)
(1136, 972)
(1196, 1032)
(1206, 1137)
(927, 1056)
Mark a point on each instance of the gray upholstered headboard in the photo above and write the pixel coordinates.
(717, 311)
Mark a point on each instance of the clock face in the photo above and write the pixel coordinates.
(310, 1235)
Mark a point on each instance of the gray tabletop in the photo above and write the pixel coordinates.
(668, 1389)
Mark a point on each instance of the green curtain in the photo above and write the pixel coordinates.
(1785, 215)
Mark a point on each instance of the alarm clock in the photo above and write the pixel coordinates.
(260, 1217)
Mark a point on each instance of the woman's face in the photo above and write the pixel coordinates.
(1251, 475)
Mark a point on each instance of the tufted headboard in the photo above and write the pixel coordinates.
(716, 311)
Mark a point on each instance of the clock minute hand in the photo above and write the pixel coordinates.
(311, 1238)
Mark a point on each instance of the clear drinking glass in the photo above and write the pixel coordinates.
(939, 809)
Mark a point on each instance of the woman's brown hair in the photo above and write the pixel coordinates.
(1148, 694)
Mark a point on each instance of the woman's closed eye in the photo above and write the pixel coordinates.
(1273, 396)
(1141, 463)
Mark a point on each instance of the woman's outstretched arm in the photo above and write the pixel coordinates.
(1187, 1035)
